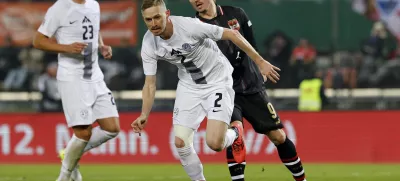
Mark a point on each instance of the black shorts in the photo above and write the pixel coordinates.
(258, 111)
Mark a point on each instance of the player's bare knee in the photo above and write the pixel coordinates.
(110, 125)
(215, 143)
(114, 129)
(277, 136)
(183, 136)
(83, 131)
(179, 143)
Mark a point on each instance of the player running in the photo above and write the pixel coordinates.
(75, 24)
(205, 81)
(251, 100)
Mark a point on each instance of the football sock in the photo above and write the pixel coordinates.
(99, 137)
(73, 153)
(236, 169)
(230, 137)
(191, 162)
(288, 155)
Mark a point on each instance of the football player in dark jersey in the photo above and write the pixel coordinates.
(251, 100)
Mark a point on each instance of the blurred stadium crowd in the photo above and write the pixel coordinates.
(373, 65)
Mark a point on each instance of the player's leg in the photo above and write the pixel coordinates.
(73, 152)
(78, 113)
(188, 114)
(108, 129)
(189, 159)
(235, 169)
(287, 153)
(106, 114)
(219, 136)
(265, 120)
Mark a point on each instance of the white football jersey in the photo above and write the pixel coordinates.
(70, 22)
(192, 48)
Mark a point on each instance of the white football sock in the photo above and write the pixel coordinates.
(230, 137)
(191, 163)
(73, 153)
(99, 137)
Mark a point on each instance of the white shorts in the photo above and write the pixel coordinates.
(85, 102)
(191, 105)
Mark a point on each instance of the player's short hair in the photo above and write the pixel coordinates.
(150, 3)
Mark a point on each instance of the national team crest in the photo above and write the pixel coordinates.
(234, 24)
(186, 47)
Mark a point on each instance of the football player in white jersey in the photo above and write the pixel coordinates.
(205, 81)
(75, 26)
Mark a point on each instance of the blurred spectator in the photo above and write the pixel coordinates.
(302, 58)
(304, 53)
(8, 58)
(312, 93)
(373, 49)
(125, 56)
(47, 84)
(278, 48)
(374, 45)
(343, 74)
(21, 78)
(388, 74)
(136, 74)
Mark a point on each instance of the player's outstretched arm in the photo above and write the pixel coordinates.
(148, 95)
(242, 43)
(265, 67)
(42, 42)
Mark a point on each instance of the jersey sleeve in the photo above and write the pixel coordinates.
(149, 59)
(247, 28)
(201, 30)
(50, 23)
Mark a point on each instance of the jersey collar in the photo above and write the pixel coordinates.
(220, 12)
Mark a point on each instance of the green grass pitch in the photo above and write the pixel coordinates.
(213, 172)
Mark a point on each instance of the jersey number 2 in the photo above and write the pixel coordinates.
(88, 30)
(216, 103)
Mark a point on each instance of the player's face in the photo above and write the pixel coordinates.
(201, 6)
(156, 19)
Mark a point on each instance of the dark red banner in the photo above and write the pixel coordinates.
(320, 137)
(20, 21)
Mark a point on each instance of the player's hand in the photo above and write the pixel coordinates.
(106, 51)
(76, 47)
(269, 71)
(139, 124)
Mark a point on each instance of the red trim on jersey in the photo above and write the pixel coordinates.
(220, 9)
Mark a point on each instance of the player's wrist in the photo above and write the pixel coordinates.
(65, 48)
(145, 115)
(259, 61)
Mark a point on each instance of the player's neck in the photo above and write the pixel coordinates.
(79, 1)
(169, 30)
(210, 13)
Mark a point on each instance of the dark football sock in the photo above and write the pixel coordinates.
(236, 169)
(287, 153)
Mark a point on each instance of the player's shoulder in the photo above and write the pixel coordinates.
(183, 19)
(59, 7)
(186, 25)
(148, 39)
(94, 4)
(232, 9)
